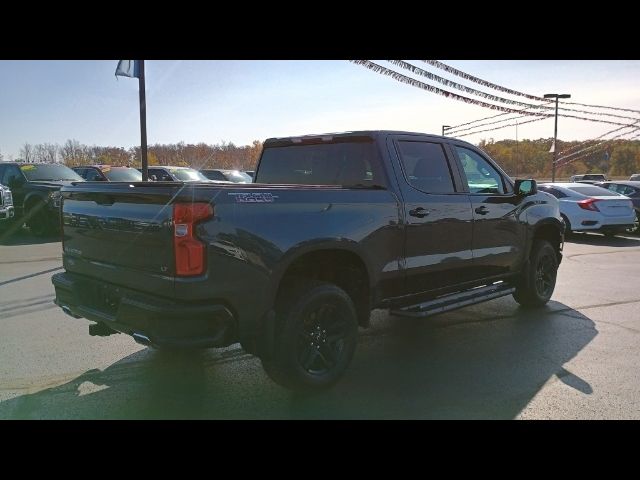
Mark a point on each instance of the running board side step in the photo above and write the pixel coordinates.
(456, 300)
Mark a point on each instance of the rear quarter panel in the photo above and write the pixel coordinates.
(258, 231)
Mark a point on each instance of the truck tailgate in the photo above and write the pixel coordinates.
(121, 234)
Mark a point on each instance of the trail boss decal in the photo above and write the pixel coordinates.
(254, 197)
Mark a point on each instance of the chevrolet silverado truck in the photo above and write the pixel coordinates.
(290, 266)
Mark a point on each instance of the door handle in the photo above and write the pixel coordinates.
(482, 210)
(419, 212)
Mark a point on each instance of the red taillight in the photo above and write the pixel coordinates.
(589, 204)
(189, 251)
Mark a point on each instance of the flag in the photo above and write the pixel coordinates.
(553, 147)
(128, 68)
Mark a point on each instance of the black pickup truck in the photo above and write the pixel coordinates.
(36, 193)
(335, 226)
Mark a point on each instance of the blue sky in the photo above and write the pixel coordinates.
(239, 101)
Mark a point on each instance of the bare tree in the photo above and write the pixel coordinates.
(74, 154)
(201, 155)
(26, 152)
(45, 153)
(50, 152)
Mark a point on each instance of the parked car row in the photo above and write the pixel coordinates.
(164, 173)
(598, 177)
(589, 178)
(186, 174)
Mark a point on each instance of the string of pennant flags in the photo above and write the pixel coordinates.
(602, 146)
(596, 145)
(433, 89)
(458, 86)
(480, 81)
(501, 126)
(418, 71)
(540, 111)
(455, 132)
(601, 136)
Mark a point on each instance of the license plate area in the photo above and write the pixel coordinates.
(101, 296)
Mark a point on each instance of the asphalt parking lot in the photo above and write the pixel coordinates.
(577, 358)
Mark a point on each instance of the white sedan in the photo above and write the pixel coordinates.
(589, 208)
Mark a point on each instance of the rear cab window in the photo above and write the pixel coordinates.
(343, 161)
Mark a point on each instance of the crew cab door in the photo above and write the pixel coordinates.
(436, 212)
(498, 234)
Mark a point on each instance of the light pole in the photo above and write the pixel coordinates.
(555, 131)
(444, 127)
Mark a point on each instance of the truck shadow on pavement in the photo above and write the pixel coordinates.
(19, 235)
(482, 362)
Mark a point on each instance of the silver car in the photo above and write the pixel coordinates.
(589, 208)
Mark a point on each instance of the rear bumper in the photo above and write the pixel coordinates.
(163, 322)
(616, 228)
(596, 222)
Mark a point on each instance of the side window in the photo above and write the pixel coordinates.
(614, 187)
(556, 193)
(161, 175)
(426, 167)
(626, 190)
(11, 172)
(92, 175)
(481, 176)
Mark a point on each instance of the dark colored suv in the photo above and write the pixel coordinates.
(36, 192)
(630, 189)
(593, 178)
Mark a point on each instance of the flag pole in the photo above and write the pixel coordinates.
(143, 124)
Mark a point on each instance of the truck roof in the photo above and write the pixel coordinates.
(356, 133)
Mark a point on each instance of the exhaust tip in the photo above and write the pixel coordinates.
(67, 310)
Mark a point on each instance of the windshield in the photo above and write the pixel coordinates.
(35, 172)
(237, 177)
(188, 175)
(123, 175)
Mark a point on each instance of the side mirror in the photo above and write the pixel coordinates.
(526, 187)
